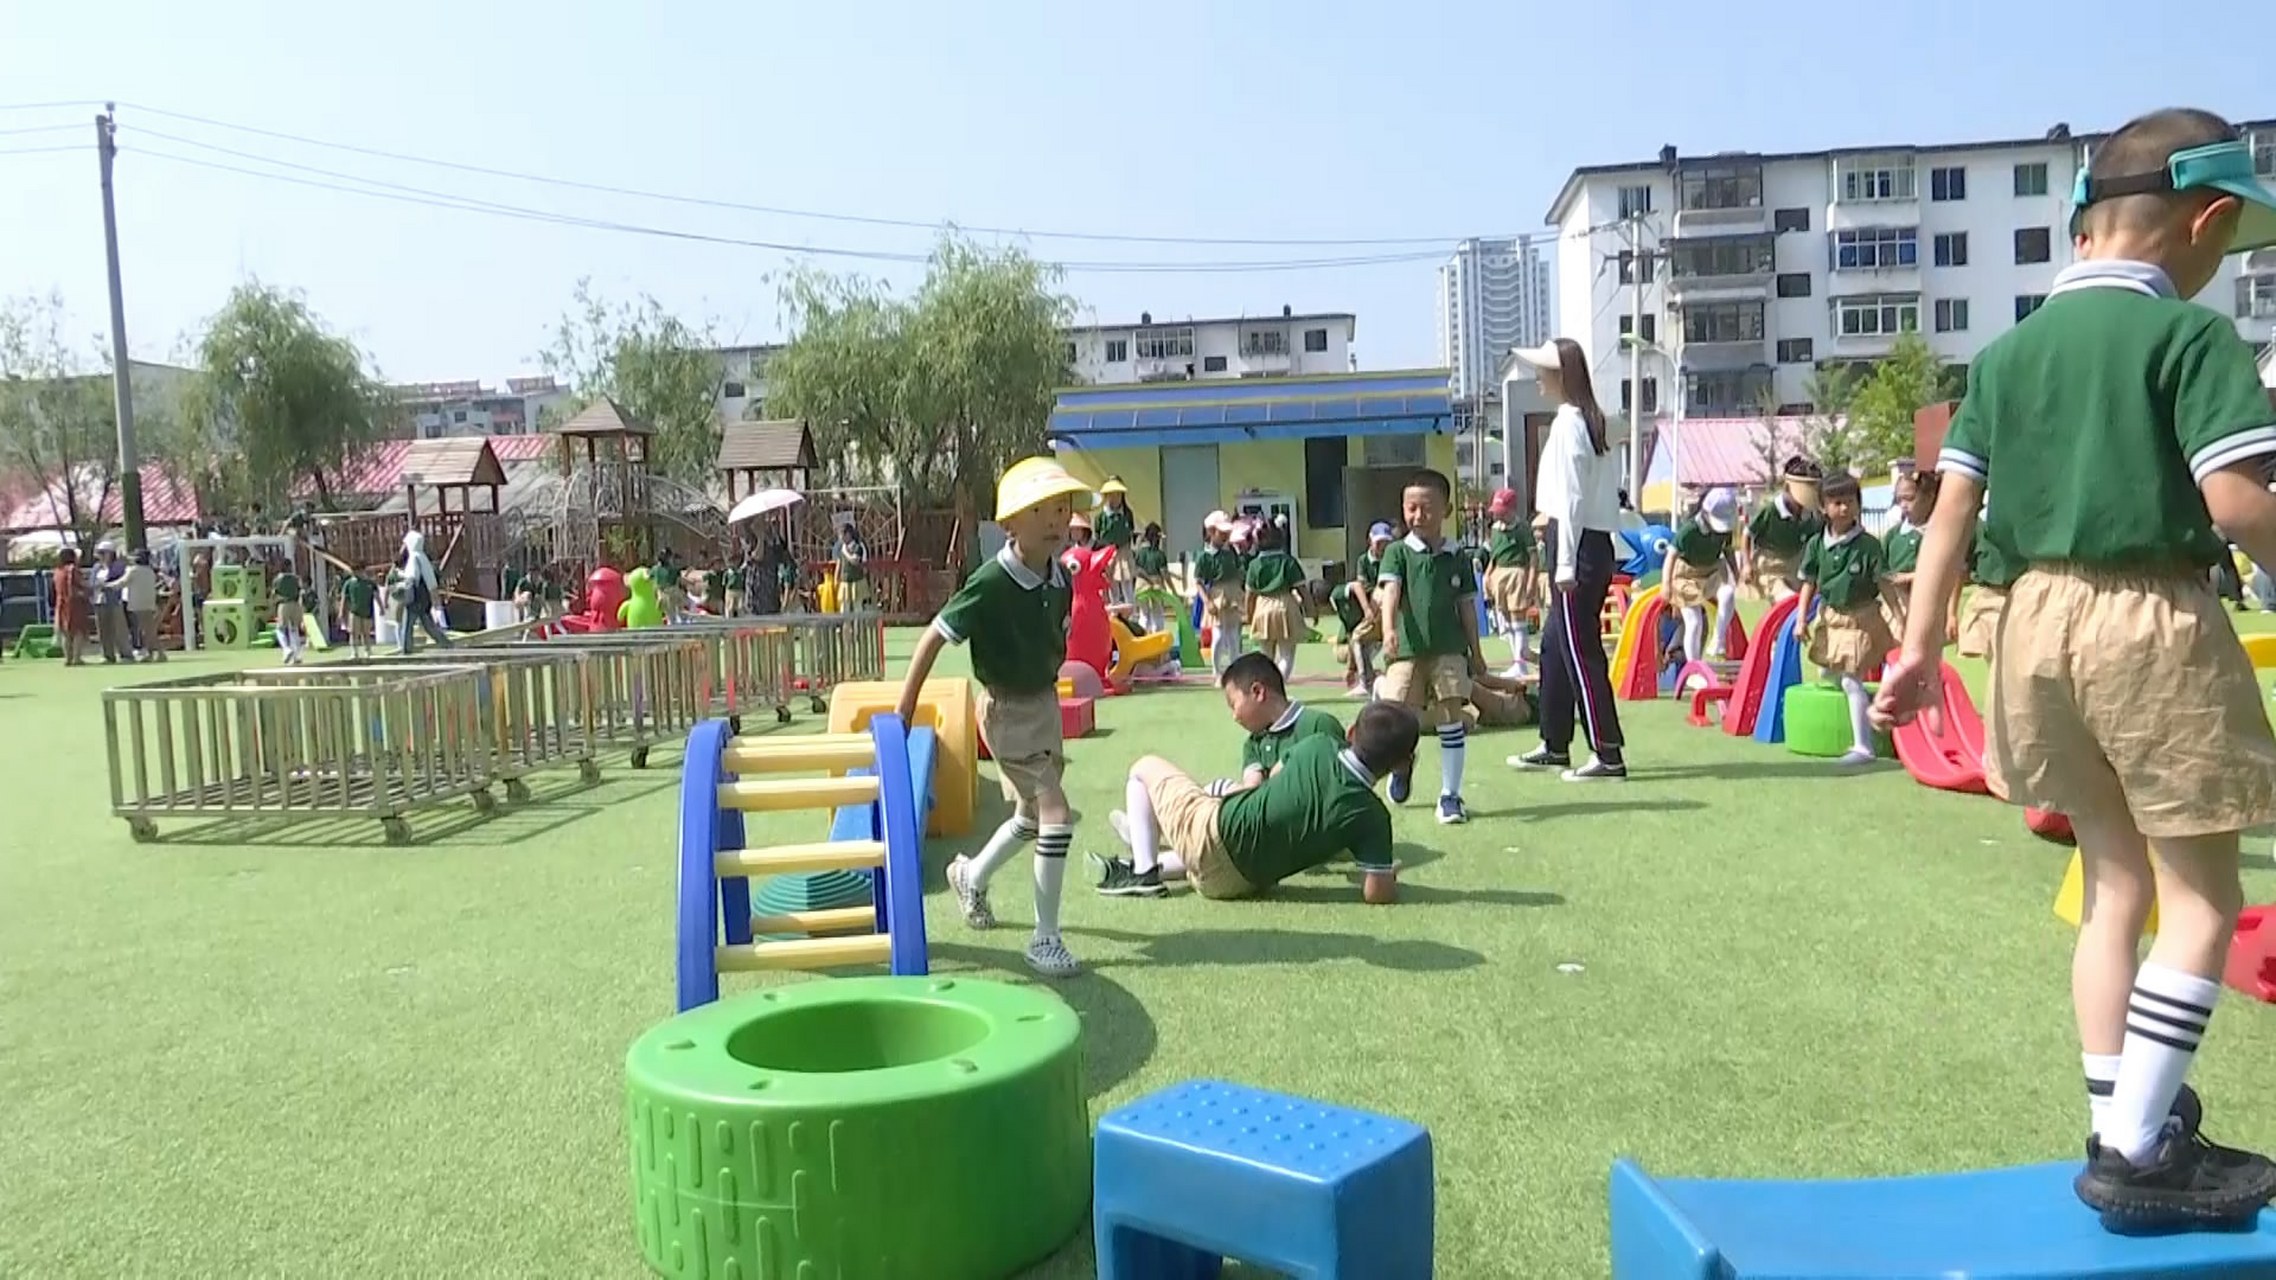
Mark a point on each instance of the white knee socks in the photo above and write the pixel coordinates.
(1052, 841)
(2101, 1088)
(1726, 608)
(2164, 1022)
(1284, 657)
(1014, 832)
(1694, 624)
(1517, 643)
(1140, 825)
(1224, 647)
(1451, 742)
(1860, 703)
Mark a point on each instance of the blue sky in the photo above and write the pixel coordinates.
(1267, 119)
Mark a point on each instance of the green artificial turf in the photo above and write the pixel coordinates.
(298, 1052)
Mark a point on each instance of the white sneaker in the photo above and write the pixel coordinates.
(1120, 823)
(1355, 691)
(970, 898)
(1049, 956)
(1857, 758)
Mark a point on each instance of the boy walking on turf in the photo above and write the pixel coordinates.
(1014, 610)
(1841, 570)
(2113, 423)
(1319, 803)
(1430, 641)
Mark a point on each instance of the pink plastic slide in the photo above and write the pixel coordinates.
(1952, 757)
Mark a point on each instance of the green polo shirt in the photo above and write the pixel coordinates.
(1150, 562)
(1773, 530)
(1321, 803)
(851, 562)
(358, 593)
(1901, 549)
(728, 579)
(1991, 564)
(1511, 547)
(1114, 527)
(1433, 588)
(1846, 570)
(1017, 621)
(1264, 750)
(2096, 419)
(665, 574)
(1699, 546)
(1218, 565)
(1275, 573)
(1348, 611)
(286, 588)
(1369, 571)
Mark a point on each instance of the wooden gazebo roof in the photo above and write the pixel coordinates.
(604, 417)
(460, 461)
(781, 444)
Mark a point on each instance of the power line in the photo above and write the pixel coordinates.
(42, 128)
(49, 106)
(781, 211)
(37, 151)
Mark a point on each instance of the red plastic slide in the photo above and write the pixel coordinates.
(1952, 758)
(1741, 708)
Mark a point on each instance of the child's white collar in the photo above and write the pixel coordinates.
(1350, 759)
(1836, 539)
(1287, 718)
(1415, 541)
(1028, 579)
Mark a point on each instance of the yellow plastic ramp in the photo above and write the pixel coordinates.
(314, 630)
(1631, 633)
(2070, 900)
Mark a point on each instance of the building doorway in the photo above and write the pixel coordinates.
(1189, 492)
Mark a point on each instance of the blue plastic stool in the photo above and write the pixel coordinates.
(1204, 1171)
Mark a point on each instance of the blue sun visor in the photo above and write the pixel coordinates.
(2220, 166)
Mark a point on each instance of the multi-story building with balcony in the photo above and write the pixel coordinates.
(1757, 268)
(1493, 294)
(433, 409)
(1270, 346)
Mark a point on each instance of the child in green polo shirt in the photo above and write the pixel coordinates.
(2119, 425)
(285, 587)
(1698, 570)
(1277, 610)
(1784, 525)
(1992, 569)
(1915, 499)
(1014, 609)
(358, 595)
(1318, 803)
(1257, 695)
(1151, 564)
(1115, 525)
(1219, 581)
(1431, 648)
(1841, 570)
(1510, 573)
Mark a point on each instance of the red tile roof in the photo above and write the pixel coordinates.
(1711, 451)
(163, 502)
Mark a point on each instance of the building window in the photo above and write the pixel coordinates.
(1631, 263)
(1794, 284)
(2264, 153)
(1951, 315)
(1796, 351)
(1315, 340)
(1797, 409)
(2256, 297)
(1070, 353)
(2026, 303)
(1651, 395)
(458, 415)
(1865, 179)
(1323, 481)
(1952, 249)
(1876, 248)
(732, 390)
(1729, 186)
(1635, 202)
(1264, 342)
(1786, 220)
(2031, 179)
(1948, 184)
(1391, 451)
(1117, 350)
(1883, 316)
(1723, 322)
(1651, 326)
(1213, 364)
(1729, 394)
(1166, 344)
(1722, 256)
(2032, 244)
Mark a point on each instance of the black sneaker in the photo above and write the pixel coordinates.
(1541, 758)
(1117, 879)
(1401, 786)
(1598, 771)
(2184, 1181)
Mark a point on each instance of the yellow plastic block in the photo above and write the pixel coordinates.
(807, 953)
(792, 859)
(835, 752)
(774, 795)
(1132, 650)
(944, 706)
(2262, 650)
(2070, 900)
(1631, 633)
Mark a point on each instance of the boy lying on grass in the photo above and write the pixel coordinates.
(1320, 801)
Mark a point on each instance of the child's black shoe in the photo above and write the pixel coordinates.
(1117, 879)
(1402, 785)
(2184, 1181)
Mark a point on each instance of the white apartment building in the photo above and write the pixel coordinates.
(1268, 346)
(1758, 267)
(1493, 294)
(436, 409)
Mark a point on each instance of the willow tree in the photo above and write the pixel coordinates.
(662, 369)
(280, 398)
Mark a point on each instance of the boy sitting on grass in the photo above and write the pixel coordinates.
(1320, 802)
(1257, 695)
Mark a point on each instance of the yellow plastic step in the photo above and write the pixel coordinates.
(822, 751)
(776, 794)
(822, 920)
(807, 953)
(787, 859)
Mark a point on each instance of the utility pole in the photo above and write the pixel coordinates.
(1636, 274)
(122, 368)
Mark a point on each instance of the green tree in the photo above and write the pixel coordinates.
(280, 398)
(1828, 434)
(1909, 378)
(58, 424)
(945, 388)
(661, 369)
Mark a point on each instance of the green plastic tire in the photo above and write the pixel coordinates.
(1817, 720)
(860, 1129)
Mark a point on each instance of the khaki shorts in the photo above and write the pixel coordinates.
(1776, 571)
(2126, 698)
(1495, 709)
(1022, 733)
(1692, 587)
(1224, 604)
(1274, 620)
(1851, 642)
(1979, 620)
(1505, 590)
(1123, 571)
(359, 628)
(1185, 816)
(1427, 681)
(289, 614)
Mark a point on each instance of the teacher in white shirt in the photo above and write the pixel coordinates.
(1578, 488)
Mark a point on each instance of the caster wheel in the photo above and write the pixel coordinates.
(484, 802)
(588, 772)
(640, 757)
(517, 790)
(782, 715)
(734, 725)
(144, 830)
(398, 831)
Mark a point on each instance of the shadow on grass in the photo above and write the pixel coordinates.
(1756, 770)
(556, 801)
(1412, 894)
(1118, 1034)
(1279, 946)
(1583, 809)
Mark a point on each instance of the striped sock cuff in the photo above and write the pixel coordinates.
(2168, 1020)
(1021, 828)
(1221, 787)
(1452, 736)
(1053, 840)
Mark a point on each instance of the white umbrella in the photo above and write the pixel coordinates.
(760, 503)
